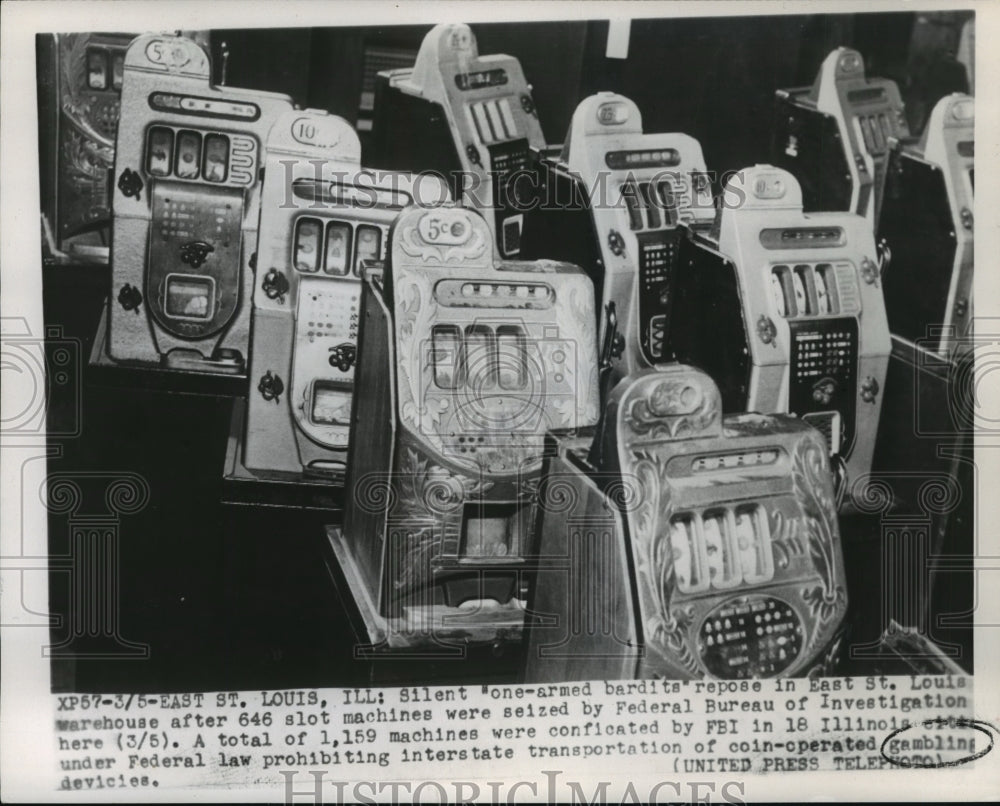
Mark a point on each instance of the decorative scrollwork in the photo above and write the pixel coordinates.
(872, 495)
(650, 415)
(374, 493)
(940, 494)
(814, 491)
(127, 494)
(413, 245)
(61, 495)
(558, 495)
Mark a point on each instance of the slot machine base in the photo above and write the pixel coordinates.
(424, 632)
(176, 379)
(244, 487)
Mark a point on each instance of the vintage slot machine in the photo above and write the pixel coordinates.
(834, 136)
(186, 204)
(80, 83)
(787, 314)
(466, 361)
(927, 225)
(322, 218)
(469, 117)
(927, 440)
(616, 201)
(702, 544)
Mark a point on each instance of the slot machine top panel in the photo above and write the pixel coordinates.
(857, 117)
(841, 84)
(165, 54)
(313, 134)
(486, 98)
(816, 271)
(950, 131)
(492, 354)
(606, 135)
(178, 127)
(732, 527)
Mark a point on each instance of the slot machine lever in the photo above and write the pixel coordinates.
(224, 53)
(839, 468)
(612, 340)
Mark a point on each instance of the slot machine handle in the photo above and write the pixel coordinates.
(224, 54)
(611, 348)
(839, 468)
(883, 256)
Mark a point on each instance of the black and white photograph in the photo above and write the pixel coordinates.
(479, 403)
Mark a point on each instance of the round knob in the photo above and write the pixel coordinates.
(130, 183)
(130, 298)
(275, 285)
(270, 386)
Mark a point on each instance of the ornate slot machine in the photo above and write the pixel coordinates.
(927, 224)
(322, 218)
(616, 201)
(456, 111)
(787, 315)
(186, 204)
(702, 545)
(468, 361)
(834, 136)
(80, 83)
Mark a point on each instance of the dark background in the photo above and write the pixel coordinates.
(229, 597)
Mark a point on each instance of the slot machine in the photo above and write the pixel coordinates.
(927, 225)
(80, 83)
(927, 441)
(456, 111)
(787, 313)
(616, 201)
(186, 204)
(701, 545)
(467, 361)
(322, 219)
(834, 136)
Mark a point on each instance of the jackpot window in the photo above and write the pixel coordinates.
(480, 358)
(98, 74)
(805, 289)
(308, 233)
(721, 548)
(338, 248)
(117, 70)
(369, 246)
(493, 120)
(875, 131)
(216, 158)
(190, 297)
(160, 151)
(650, 205)
(186, 154)
(331, 403)
(312, 252)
